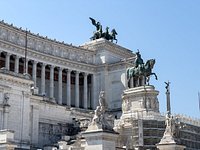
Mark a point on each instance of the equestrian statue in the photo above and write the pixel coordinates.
(141, 69)
(110, 36)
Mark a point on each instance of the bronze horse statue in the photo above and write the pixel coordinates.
(142, 70)
(113, 35)
(110, 36)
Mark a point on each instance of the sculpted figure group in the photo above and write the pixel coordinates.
(100, 34)
(141, 69)
(100, 110)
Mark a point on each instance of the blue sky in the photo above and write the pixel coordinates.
(168, 31)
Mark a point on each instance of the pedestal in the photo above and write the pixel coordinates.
(7, 140)
(170, 147)
(100, 140)
(139, 102)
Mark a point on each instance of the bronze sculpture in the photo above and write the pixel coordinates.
(100, 34)
(141, 70)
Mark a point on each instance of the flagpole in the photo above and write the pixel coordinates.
(25, 65)
(199, 100)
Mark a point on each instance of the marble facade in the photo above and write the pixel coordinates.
(61, 82)
(50, 103)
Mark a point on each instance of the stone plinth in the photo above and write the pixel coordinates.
(7, 140)
(139, 101)
(100, 140)
(172, 146)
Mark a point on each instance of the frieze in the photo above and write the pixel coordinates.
(44, 45)
(49, 59)
(141, 94)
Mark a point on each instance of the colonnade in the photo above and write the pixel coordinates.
(88, 100)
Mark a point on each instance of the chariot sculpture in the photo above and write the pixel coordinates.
(110, 36)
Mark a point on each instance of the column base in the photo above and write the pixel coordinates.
(52, 99)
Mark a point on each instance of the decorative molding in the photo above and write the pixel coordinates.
(45, 58)
(44, 45)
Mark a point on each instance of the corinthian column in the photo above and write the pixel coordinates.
(94, 90)
(51, 82)
(60, 86)
(43, 79)
(69, 87)
(8, 61)
(34, 73)
(77, 89)
(85, 91)
(16, 64)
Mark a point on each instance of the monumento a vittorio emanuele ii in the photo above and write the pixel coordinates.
(95, 96)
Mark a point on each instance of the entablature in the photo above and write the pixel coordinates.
(17, 36)
(102, 44)
(46, 58)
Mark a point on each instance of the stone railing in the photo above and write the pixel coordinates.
(187, 119)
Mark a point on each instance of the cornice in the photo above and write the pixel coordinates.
(42, 44)
(38, 36)
(102, 44)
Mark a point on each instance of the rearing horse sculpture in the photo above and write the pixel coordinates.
(142, 70)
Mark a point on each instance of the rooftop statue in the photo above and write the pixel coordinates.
(110, 36)
(98, 32)
(141, 69)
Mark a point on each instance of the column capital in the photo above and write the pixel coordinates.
(8, 54)
(44, 64)
(52, 66)
(77, 72)
(85, 74)
(17, 57)
(35, 62)
(27, 60)
(60, 69)
(69, 70)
